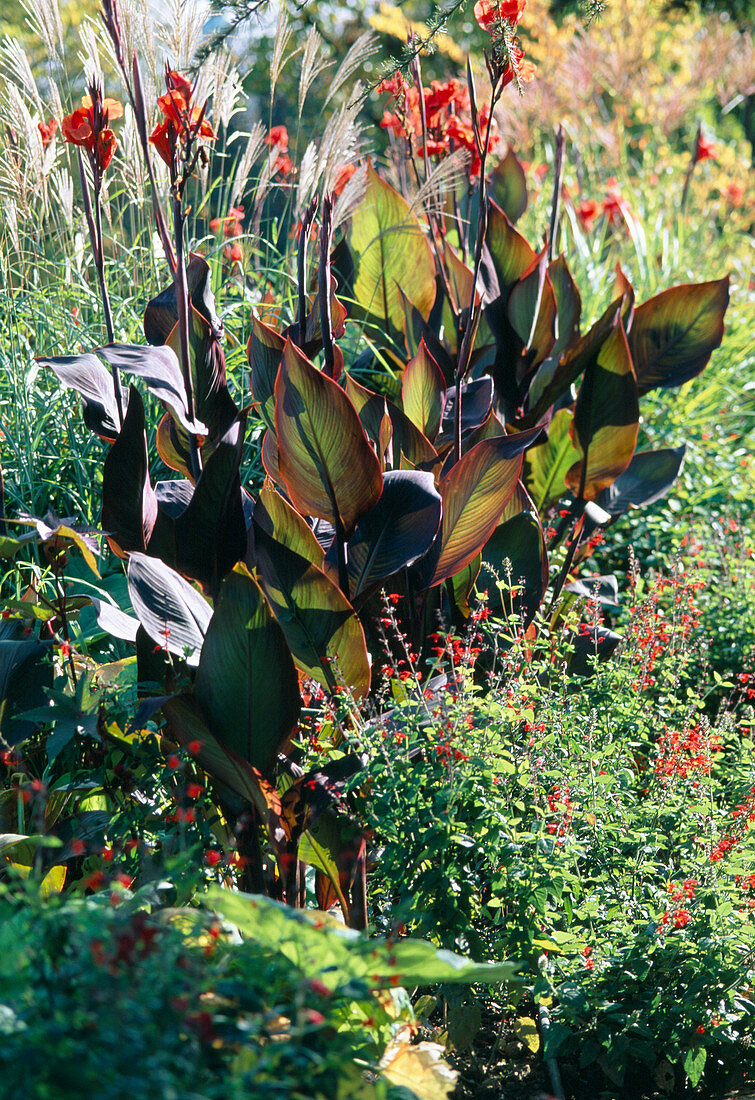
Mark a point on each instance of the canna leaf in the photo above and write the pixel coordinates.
(129, 505)
(284, 524)
(547, 464)
(647, 478)
(674, 334)
(516, 551)
(389, 251)
(93, 381)
(422, 392)
(508, 186)
(606, 419)
(264, 352)
(321, 628)
(324, 456)
(246, 682)
(173, 614)
(406, 438)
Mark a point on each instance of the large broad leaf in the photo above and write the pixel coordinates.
(531, 310)
(161, 313)
(406, 438)
(324, 456)
(509, 251)
(93, 381)
(188, 726)
(516, 551)
(129, 505)
(284, 524)
(674, 333)
(606, 419)
(173, 614)
(508, 186)
(474, 494)
(547, 464)
(549, 384)
(323, 947)
(422, 392)
(159, 369)
(647, 478)
(207, 539)
(26, 670)
(213, 404)
(397, 532)
(389, 251)
(322, 631)
(264, 352)
(568, 305)
(476, 403)
(246, 681)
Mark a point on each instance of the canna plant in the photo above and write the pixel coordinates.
(461, 449)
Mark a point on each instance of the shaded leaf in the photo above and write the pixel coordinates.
(647, 478)
(520, 542)
(508, 186)
(264, 352)
(406, 438)
(161, 373)
(93, 381)
(129, 506)
(161, 313)
(173, 614)
(246, 682)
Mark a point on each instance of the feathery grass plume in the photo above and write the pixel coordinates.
(442, 178)
(220, 81)
(283, 32)
(182, 32)
(11, 222)
(43, 16)
(255, 143)
(89, 53)
(339, 146)
(313, 63)
(27, 156)
(350, 197)
(308, 176)
(62, 185)
(130, 165)
(138, 33)
(14, 65)
(363, 48)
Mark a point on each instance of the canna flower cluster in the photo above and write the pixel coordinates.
(89, 127)
(231, 227)
(277, 139)
(183, 123)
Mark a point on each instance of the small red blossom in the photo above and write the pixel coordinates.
(490, 14)
(212, 857)
(47, 130)
(194, 747)
(193, 790)
(704, 149)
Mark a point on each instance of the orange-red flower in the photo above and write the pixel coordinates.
(587, 211)
(183, 122)
(47, 130)
(489, 14)
(704, 150)
(278, 139)
(88, 128)
(343, 177)
(231, 223)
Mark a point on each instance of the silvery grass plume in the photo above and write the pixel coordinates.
(339, 146)
(363, 48)
(283, 32)
(313, 62)
(181, 31)
(441, 180)
(255, 143)
(43, 16)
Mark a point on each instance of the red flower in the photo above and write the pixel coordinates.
(183, 122)
(212, 857)
(614, 205)
(704, 150)
(489, 14)
(47, 130)
(278, 138)
(343, 177)
(231, 223)
(87, 127)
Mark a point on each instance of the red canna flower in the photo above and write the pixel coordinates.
(47, 130)
(489, 14)
(278, 136)
(184, 122)
(704, 150)
(88, 127)
(343, 177)
(231, 223)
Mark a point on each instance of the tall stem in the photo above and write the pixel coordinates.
(182, 303)
(94, 224)
(325, 286)
(558, 172)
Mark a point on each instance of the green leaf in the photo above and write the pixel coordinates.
(389, 251)
(568, 305)
(171, 611)
(422, 392)
(246, 682)
(674, 333)
(324, 456)
(509, 251)
(474, 494)
(317, 619)
(406, 439)
(694, 1064)
(546, 464)
(606, 418)
(284, 524)
(317, 944)
(531, 310)
(519, 541)
(321, 847)
(508, 186)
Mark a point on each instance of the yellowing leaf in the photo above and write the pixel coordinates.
(525, 1030)
(420, 1068)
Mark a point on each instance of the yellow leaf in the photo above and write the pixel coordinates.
(53, 881)
(420, 1068)
(525, 1030)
